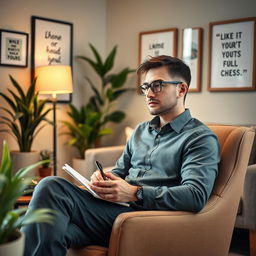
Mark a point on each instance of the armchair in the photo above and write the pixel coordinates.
(183, 233)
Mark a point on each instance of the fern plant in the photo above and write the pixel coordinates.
(25, 114)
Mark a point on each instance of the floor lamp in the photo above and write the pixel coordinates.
(55, 79)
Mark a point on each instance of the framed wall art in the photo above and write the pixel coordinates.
(232, 55)
(158, 42)
(192, 55)
(52, 44)
(14, 48)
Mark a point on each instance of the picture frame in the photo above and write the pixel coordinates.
(14, 48)
(192, 55)
(232, 55)
(52, 44)
(157, 42)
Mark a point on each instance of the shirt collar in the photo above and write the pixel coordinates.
(177, 124)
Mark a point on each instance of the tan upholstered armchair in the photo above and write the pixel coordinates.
(153, 233)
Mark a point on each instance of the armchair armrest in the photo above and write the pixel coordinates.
(249, 202)
(107, 156)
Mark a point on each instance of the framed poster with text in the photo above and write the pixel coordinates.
(192, 55)
(158, 42)
(52, 44)
(232, 55)
(13, 48)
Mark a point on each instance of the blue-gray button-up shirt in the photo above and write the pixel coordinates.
(176, 165)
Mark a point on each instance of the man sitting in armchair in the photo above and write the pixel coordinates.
(169, 163)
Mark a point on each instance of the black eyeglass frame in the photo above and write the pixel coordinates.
(145, 86)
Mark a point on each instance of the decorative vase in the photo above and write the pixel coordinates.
(45, 171)
(23, 159)
(15, 247)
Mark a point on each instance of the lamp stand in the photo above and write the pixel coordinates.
(53, 80)
(54, 100)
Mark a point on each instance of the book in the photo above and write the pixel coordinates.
(82, 180)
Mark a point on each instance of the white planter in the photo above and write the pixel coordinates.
(79, 165)
(14, 248)
(23, 159)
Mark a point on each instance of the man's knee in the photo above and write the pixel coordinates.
(48, 188)
(49, 183)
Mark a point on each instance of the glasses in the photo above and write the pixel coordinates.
(156, 86)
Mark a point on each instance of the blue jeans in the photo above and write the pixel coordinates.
(82, 219)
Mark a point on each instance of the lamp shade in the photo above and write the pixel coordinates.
(56, 79)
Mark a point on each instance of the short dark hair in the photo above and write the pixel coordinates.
(175, 66)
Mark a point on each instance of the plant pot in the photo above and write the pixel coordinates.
(15, 247)
(23, 159)
(45, 171)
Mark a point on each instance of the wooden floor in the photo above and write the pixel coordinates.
(240, 243)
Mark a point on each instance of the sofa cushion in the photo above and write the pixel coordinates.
(240, 207)
(252, 159)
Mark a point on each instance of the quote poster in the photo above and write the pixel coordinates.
(232, 55)
(51, 45)
(155, 43)
(13, 48)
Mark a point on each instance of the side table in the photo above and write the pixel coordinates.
(23, 200)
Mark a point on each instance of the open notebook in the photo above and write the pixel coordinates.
(80, 178)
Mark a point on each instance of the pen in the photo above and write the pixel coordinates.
(101, 170)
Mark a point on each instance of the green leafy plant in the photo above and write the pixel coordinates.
(111, 86)
(11, 188)
(25, 115)
(46, 155)
(85, 129)
(88, 123)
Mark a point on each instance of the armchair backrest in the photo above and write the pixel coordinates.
(235, 145)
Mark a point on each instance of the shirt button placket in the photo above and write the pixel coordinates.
(156, 143)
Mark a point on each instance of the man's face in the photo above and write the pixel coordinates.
(166, 101)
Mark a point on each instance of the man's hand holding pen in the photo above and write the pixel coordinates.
(113, 189)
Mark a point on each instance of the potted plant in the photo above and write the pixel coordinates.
(88, 123)
(12, 186)
(45, 169)
(84, 130)
(111, 87)
(22, 119)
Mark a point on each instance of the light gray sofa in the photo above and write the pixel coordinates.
(246, 216)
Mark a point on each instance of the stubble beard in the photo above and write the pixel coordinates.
(164, 110)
